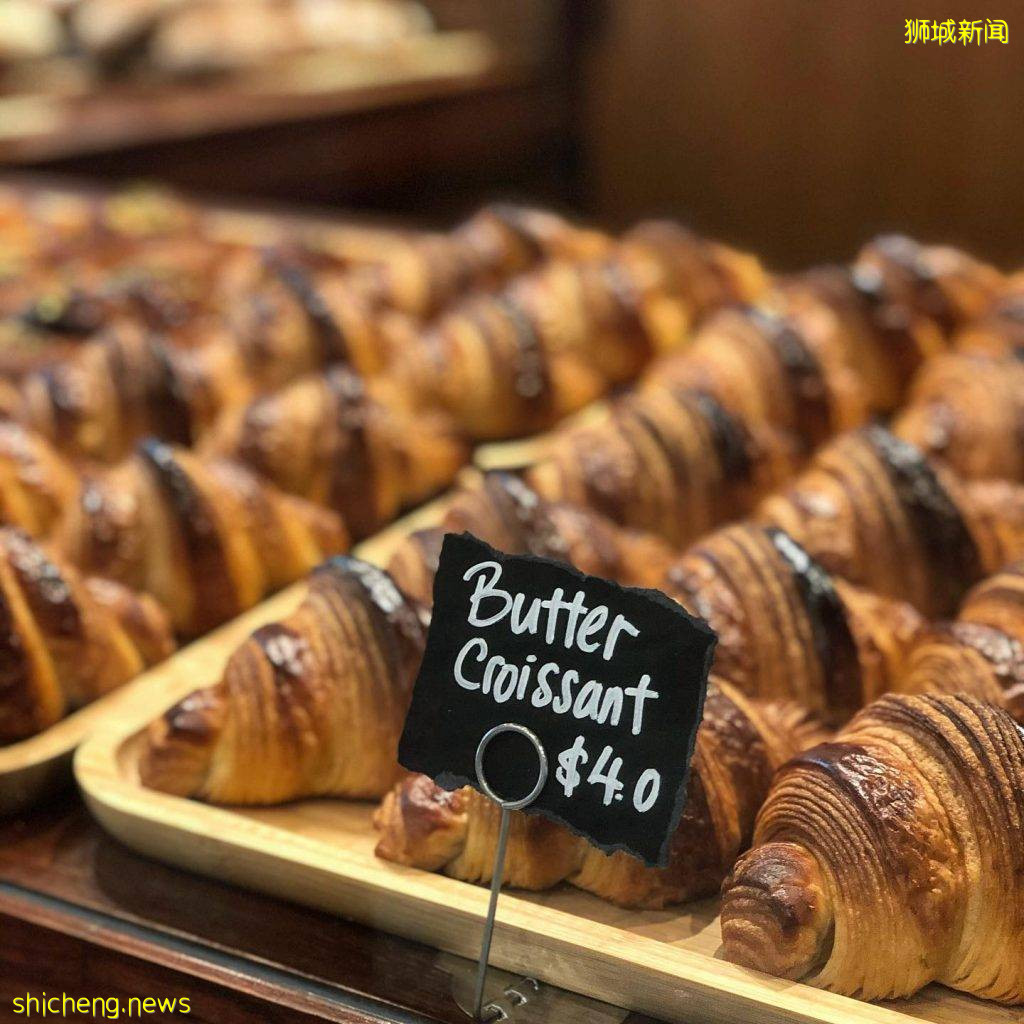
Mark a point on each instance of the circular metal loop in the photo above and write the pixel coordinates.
(542, 773)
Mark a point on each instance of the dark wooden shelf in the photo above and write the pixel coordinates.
(81, 914)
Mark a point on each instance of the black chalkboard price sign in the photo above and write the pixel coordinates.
(610, 679)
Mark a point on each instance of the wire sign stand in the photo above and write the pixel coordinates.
(498, 868)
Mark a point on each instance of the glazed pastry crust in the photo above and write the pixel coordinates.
(739, 745)
(502, 510)
(873, 509)
(206, 537)
(66, 639)
(891, 857)
(312, 705)
(787, 629)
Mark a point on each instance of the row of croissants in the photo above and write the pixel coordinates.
(825, 467)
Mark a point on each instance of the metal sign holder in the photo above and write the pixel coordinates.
(498, 868)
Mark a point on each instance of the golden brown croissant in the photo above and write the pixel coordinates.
(895, 306)
(968, 410)
(671, 461)
(311, 705)
(67, 639)
(206, 537)
(872, 508)
(36, 484)
(982, 652)
(739, 745)
(343, 443)
(502, 510)
(945, 284)
(687, 276)
(998, 330)
(129, 384)
(891, 857)
(420, 275)
(786, 628)
(772, 369)
(520, 360)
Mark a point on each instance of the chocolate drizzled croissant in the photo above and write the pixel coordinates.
(739, 745)
(65, 639)
(968, 410)
(873, 509)
(980, 653)
(671, 461)
(312, 705)
(503, 511)
(891, 857)
(786, 628)
(343, 443)
(205, 536)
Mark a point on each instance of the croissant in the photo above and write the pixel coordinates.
(872, 508)
(67, 639)
(421, 274)
(967, 410)
(343, 443)
(980, 653)
(893, 308)
(739, 745)
(520, 360)
(36, 484)
(767, 368)
(129, 384)
(999, 329)
(945, 284)
(786, 628)
(312, 705)
(502, 510)
(891, 857)
(205, 537)
(670, 461)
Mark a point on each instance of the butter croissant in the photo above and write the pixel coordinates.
(671, 461)
(786, 628)
(981, 652)
(714, 427)
(206, 537)
(968, 410)
(520, 360)
(312, 705)
(739, 745)
(898, 304)
(502, 510)
(36, 483)
(67, 639)
(872, 508)
(421, 274)
(891, 857)
(343, 443)
(769, 368)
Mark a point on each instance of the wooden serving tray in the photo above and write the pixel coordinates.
(320, 853)
(40, 765)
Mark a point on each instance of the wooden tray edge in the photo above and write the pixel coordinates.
(40, 765)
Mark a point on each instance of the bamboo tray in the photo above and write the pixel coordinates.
(40, 765)
(320, 853)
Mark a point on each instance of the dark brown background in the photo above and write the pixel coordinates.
(794, 127)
